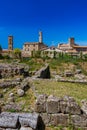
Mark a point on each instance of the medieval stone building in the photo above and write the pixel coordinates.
(29, 47)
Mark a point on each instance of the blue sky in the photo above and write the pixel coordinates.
(57, 19)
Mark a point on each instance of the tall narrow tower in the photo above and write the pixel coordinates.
(10, 42)
(40, 37)
(71, 41)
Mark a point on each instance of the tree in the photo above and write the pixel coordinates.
(1, 52)
(81, 55)
(17, 53)
(0, 48)
(37, 54)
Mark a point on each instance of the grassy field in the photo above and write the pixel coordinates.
(26, 102)
(60, 89)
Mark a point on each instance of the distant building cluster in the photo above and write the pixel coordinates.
(29, 47)
(72, 47)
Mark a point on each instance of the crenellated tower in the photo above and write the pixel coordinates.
(10, 42)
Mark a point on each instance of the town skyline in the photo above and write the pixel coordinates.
(31, 42)
(57, 19)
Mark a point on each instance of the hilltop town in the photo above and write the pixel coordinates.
(29, 48)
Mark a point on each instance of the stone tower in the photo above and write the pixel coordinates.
(10, 42)
(71, 41)
(40, 37)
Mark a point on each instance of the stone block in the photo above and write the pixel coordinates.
(32, 120)
(46, 118)
(84, 106)
(69, 106)
(43, 73)
(60, 119)
(73, 108)
(52, 105)
(63, 106)
(79, 120)
(8, 121)
(40, 105)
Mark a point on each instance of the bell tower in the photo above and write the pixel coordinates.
(10, 42)
(40, 37)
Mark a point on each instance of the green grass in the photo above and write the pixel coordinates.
(61, 128)
(34, 63)
(27, 101)
(60, 89)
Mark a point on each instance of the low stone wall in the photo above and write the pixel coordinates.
(62, 111)
(73, 81)
(21, 121)
(50, 111)
(9, 83)
(10, 70)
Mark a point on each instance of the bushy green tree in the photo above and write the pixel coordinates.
(37, 54)
(17, 53)
(0, 48)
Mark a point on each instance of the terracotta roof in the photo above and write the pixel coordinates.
(79, 46)
(28, 43)
(72, 51)
(64, 45)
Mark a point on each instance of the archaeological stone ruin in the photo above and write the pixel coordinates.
(49, 111)
(11, 70)
(21, 121)
(62, 111)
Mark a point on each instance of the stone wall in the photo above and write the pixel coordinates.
(49, 111)
(62, 111)
(11, 70)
